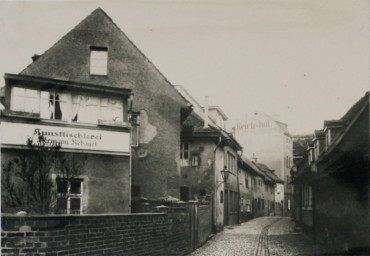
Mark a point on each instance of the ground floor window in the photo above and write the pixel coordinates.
(307, 196)
(69, 195)
(184, 194)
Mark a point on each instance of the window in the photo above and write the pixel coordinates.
(246, 183)
(184, 194)
(231, 162)
(98, 61)
(55, 106)
(266, 188)
(317, 152)
(69, 195)
(184, 153)
(288, 162)
(135, 191)
(135, 129)
(288, 204)
(288, 182)
(328, 138)
(307, 196)
(25, 100)
(221, 197)
(195, 160)
(248, 204)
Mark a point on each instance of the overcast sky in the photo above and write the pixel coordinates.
(306, 61)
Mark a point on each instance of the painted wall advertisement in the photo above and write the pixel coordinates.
(16, 134)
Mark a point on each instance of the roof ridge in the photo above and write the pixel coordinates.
(60, 39)
(99, 9)
(140, 52)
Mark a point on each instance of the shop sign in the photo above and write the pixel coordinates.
(13, 134)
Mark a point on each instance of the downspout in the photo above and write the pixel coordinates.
(131, 98)
(214, 212)
(238, 184)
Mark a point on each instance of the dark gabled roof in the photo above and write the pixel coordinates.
(194, 126)
(352, 115)
(269, 174)
(252, 167)
(334, 123)
(356, 107)
(300, 144)
(319, 133)
(68, 59)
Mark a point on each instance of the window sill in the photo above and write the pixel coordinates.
(113, 124)
(21, 114)
(307, 208)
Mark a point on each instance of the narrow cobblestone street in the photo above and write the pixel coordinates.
(261, 236)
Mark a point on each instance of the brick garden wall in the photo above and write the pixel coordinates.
(136, 234)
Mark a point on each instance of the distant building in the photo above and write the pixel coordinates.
(332, 181)
(269, 141)
(206, 150)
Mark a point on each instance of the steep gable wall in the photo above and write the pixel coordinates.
(154, 163)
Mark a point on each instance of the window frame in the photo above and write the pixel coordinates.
(194, 157)
(68, 195)
(231, 162)
(184, 151)
(67, 115)
(25, 98)
(95, 69)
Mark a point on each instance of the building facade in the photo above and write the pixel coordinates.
(205, 152)
(333, 181)
(269, 141)
(76, 95)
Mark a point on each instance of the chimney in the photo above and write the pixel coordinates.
(35, 57)
(206, 112)
(255, 159)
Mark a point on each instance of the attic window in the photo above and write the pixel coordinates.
(98, 61)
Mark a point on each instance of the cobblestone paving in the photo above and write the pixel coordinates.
(261, 236)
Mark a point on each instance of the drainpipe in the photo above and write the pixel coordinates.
(214, 210)
(238, 184)
(206, 112)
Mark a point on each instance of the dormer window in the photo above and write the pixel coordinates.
(328, 138)
(317, 148)
(98, 61)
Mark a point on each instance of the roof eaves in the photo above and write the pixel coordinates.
(345, 130)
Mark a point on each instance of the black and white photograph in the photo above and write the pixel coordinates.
(196, 127)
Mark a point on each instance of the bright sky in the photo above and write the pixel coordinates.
(305, 60)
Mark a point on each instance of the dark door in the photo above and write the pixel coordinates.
(226, 207)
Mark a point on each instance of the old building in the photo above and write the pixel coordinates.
(77, 94)
(302, 204)
(249, 175)
(206, 150)
(266, 138)
(334, 181)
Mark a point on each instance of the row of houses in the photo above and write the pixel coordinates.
(142, 141)
(331, 180)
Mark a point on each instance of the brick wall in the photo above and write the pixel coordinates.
(136, 234)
